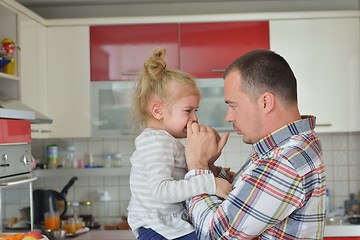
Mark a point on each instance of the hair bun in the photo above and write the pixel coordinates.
(155, 66)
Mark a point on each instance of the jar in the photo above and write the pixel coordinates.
(107, 161)
(117, 161)
(70, 157)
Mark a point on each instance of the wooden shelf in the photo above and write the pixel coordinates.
(86, 172)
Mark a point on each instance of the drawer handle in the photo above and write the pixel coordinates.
(46, 131)
(218, 70)
(323, 125)
(129, 73)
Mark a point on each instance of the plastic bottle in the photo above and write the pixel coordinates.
(75, 207)
(70, 157)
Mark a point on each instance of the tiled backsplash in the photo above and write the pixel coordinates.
(341, 151)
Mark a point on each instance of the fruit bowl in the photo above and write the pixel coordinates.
(23, 236)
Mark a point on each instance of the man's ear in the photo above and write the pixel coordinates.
(157, 110)
(267, 101)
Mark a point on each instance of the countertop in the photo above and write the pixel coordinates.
(107, 235)
(343, 230)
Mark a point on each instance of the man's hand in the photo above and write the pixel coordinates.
(203, 145)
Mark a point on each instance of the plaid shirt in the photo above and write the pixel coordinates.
(279, 193)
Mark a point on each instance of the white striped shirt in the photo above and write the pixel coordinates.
(158, 187)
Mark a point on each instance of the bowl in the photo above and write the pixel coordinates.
(59, 234)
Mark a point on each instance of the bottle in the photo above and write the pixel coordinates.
(70, 157)
(75, 208)
(52, 156)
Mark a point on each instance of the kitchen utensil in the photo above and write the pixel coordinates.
(354, 219)
(50, 201)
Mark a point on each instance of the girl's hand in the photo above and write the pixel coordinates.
(223, 187)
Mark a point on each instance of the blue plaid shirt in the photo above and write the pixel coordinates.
(279, 193)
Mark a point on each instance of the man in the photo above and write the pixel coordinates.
(279, 193)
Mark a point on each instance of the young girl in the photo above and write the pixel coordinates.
(164, 102)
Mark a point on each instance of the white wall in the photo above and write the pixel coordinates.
(341, 151)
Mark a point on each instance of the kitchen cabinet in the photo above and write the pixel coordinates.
(32, 69)
(118, 52)
(9, 84)
(324, 55)
(206, 49)
(110, 108)
(68, 79)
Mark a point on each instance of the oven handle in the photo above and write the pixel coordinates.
(12, 183)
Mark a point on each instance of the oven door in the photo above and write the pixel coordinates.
(13, 181)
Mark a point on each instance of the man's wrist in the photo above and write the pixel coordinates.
(196, 165)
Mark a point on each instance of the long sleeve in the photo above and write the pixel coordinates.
(162, 157)
(278, 194)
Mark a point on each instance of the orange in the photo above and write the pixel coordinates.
(19, 236)
(11, 237)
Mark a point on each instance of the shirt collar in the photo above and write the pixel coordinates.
(276, 138)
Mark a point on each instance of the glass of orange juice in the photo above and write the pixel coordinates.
(52, 220)
(69, 225)
(79, 223)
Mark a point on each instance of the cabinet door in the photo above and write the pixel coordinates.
(33, 87)
(324, 55)
(9, 84)
(118, 52)
(208, 48)
(111, 103)
(68, 79)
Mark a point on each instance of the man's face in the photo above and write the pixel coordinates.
(242, 112)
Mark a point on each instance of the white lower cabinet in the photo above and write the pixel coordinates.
(324, 55)
(68, 76)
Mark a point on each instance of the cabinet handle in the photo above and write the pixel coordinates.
(129, 73)
(46, 131)
(218, 70)
(34, 131)
(323, 125)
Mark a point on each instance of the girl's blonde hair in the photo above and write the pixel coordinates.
(154, 79)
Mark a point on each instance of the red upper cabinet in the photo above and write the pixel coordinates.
(206, 49)
(118, 52)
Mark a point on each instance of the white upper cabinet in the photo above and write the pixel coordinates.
(32, 68)
(324, 55)
(68, 77)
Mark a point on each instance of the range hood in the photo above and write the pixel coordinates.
(7, 102)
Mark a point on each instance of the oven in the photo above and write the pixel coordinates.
(15, 153)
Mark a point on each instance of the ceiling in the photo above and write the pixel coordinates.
(51, 9)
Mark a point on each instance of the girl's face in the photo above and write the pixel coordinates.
(178, 114)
